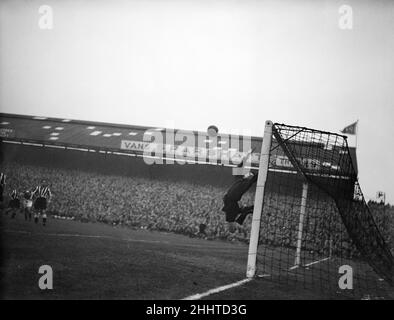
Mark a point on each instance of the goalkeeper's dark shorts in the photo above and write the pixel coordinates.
(231, 209)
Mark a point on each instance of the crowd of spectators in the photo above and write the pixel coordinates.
(384, 218)
(179, 206)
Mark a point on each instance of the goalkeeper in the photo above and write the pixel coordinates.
(235, 213)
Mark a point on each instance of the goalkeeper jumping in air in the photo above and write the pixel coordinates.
(235, 213)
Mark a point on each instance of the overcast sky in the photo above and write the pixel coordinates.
(192, 63)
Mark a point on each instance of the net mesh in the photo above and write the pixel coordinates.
(315, 218)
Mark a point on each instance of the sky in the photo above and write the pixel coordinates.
(188, 64)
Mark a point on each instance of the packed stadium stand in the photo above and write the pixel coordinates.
(97, 173)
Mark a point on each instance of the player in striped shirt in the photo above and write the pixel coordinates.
(14, 204)
(2, 186)
(42, 194)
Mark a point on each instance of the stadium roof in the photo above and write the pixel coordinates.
(85, 134)
(100, 136)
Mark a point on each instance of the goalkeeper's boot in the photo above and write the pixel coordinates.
(244, 213)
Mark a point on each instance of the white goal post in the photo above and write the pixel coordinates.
(297, 261)
(259, 199)
(259, 203)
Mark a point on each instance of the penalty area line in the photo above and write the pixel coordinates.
(218, 289)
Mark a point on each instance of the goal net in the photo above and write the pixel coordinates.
(311, 224)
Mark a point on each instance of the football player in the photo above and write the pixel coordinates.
(42, 195)
(27, 204)
(2, 187)
(235, 213)
(14, 204)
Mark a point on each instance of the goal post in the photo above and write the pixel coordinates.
(304, 198)
(310, 216)
(259, 199)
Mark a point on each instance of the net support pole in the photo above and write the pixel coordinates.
(259, 199)
(301, 223)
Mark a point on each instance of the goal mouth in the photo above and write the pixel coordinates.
(310, 216)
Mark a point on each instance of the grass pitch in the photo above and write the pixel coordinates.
(98, 261)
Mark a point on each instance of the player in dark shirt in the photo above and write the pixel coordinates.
(231, 207)
(235, 213)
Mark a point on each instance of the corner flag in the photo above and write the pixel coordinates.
(381, 196)
(350, 129)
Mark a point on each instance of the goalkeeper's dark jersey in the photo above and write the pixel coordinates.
(239, 187)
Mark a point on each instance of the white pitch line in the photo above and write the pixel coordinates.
(241, 282)
(310, 264)
(86, 236)
(73, 235)
(218, 289)
(18, 231)
(315, 262)
(263, 275)
(204, 245)
(100, 237)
